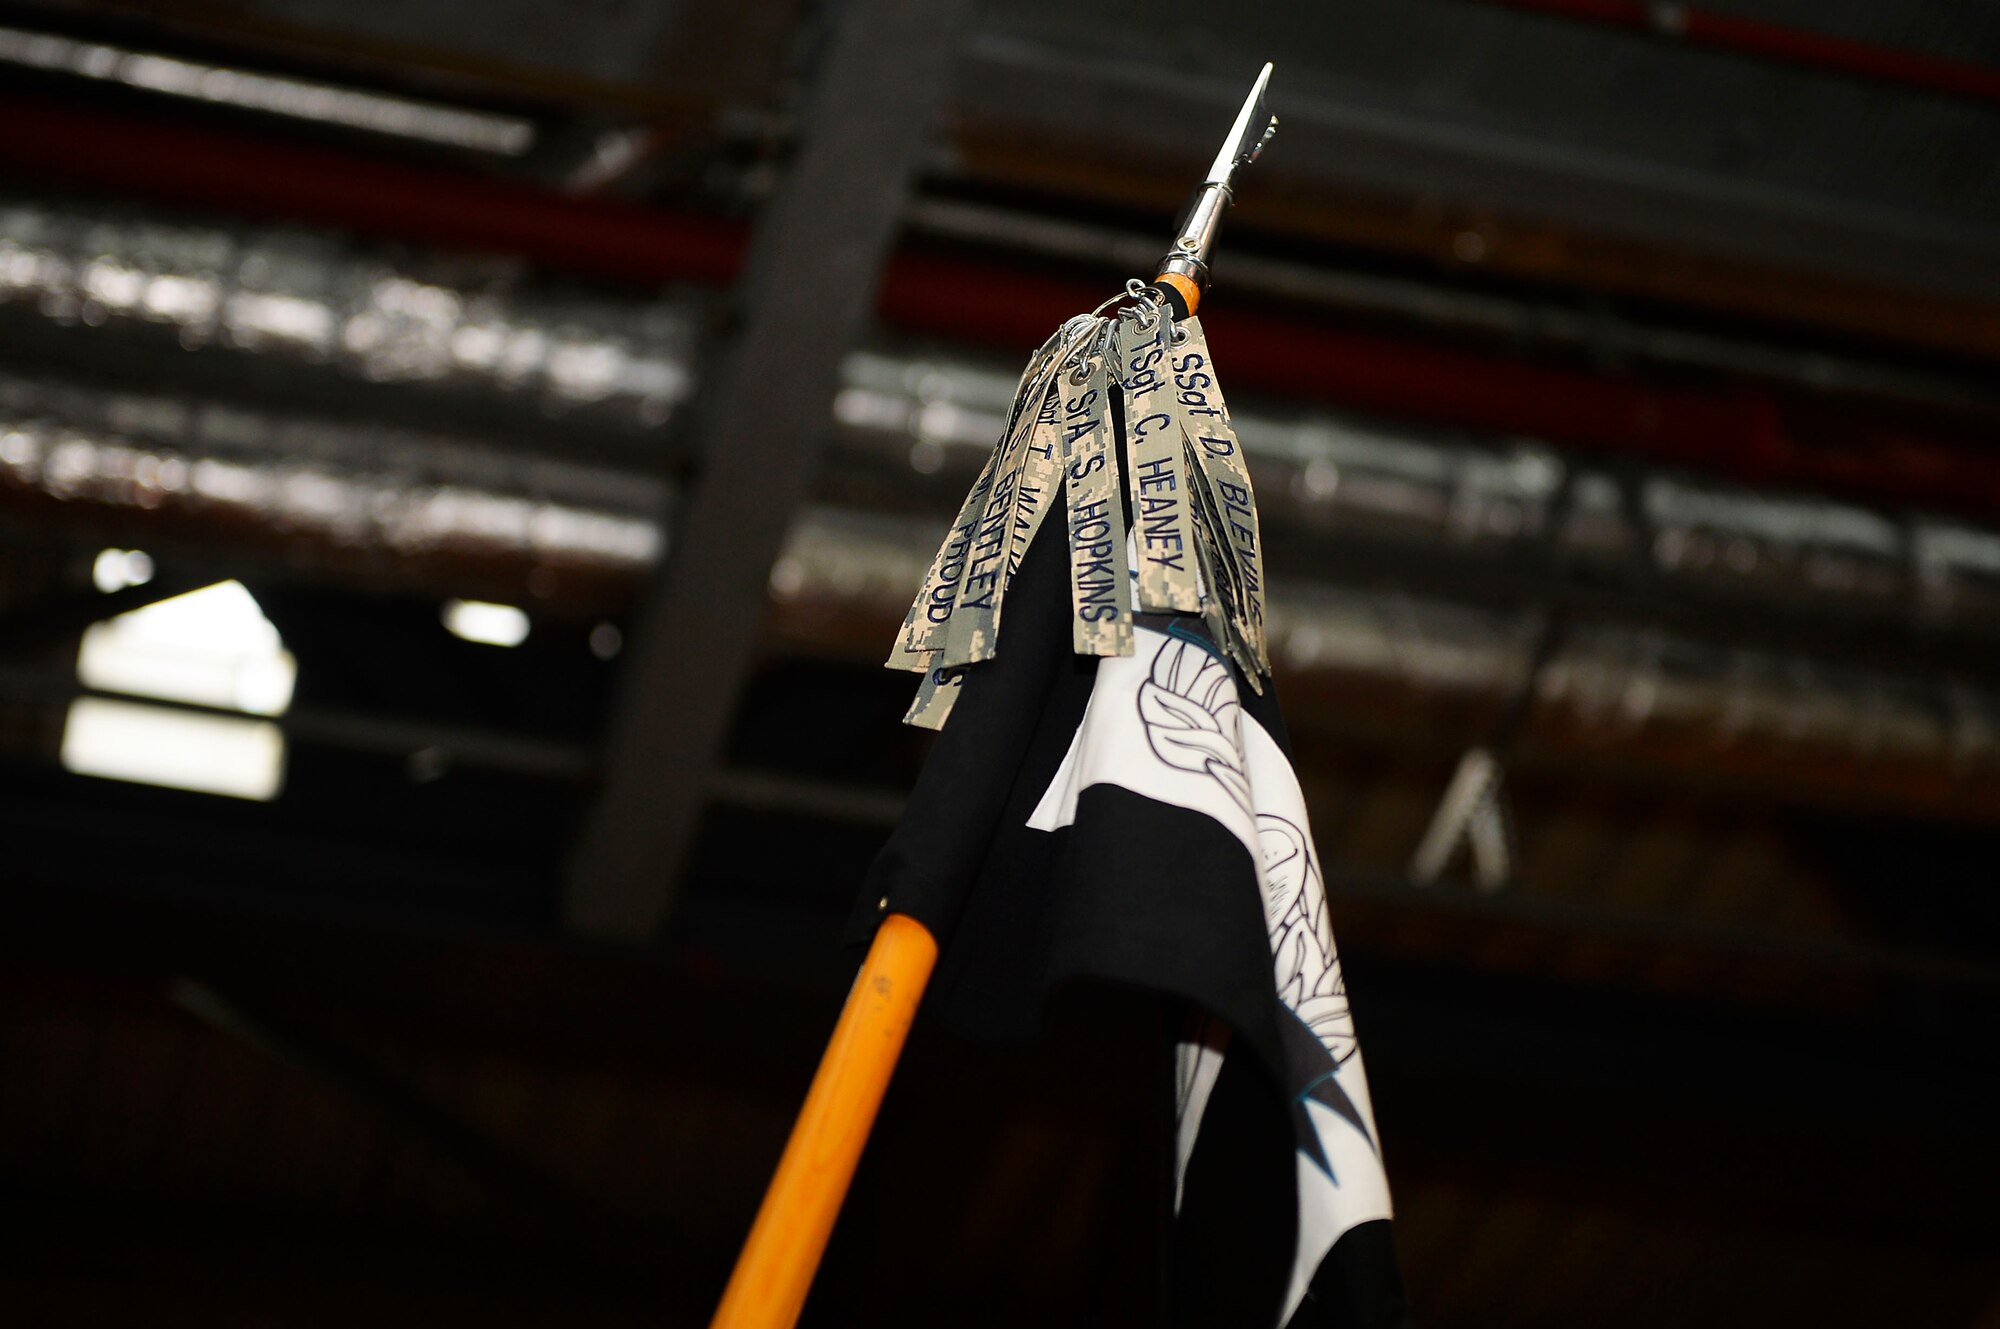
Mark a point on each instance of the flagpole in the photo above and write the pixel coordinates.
(775, 1270)
(782, 1254)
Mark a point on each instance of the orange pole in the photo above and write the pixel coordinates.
(775, 1270)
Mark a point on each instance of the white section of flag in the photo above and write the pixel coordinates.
(1166, 723)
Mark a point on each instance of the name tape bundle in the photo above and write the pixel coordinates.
(1120, 413)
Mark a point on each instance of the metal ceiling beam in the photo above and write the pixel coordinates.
(813, 265)
(1748, 430)
(1800, 47)
(1384, 167)
(1545, 321)
(266, 176)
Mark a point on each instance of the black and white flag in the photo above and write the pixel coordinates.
(1135, 819)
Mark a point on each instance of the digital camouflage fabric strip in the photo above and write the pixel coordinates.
(1120, 419)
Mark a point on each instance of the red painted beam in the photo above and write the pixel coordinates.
(246, 175)
(1745, 431)
(1783, 45)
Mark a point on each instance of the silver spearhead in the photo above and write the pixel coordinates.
(1253, 129)
(1185, 268)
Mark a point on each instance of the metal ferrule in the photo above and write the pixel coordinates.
(1188, 266)
(1195, 236)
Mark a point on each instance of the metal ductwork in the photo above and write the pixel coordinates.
(1391, 664)
(915, 424)
(312, 301)
(1331, 486)
(1416, 569)
(380, 504)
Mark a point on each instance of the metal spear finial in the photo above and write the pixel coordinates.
(1185, 268)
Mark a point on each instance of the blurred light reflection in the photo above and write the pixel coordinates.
(213, 648)
(272, 94)
(487, 624)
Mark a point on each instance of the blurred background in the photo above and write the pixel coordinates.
(383, 938)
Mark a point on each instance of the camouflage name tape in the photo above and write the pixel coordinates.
(1218, 607)
(921, 637)
(1037, 478)
(1032, 473)
(1222, 585)
(1214, 605)
(936, 695)
(1225, 477)
(1041, 476)
(974, 618)
(901, 656)
(1204, 414)
(907, 660)
(1100, 596)
(1043, 364)
(1023, 481)
(1162, 519)
(1222, 568)
(924, 625)
(1194, 546)
(1204, 441)
(1037, 369)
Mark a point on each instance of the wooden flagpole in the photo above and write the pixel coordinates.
(776, 1268)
